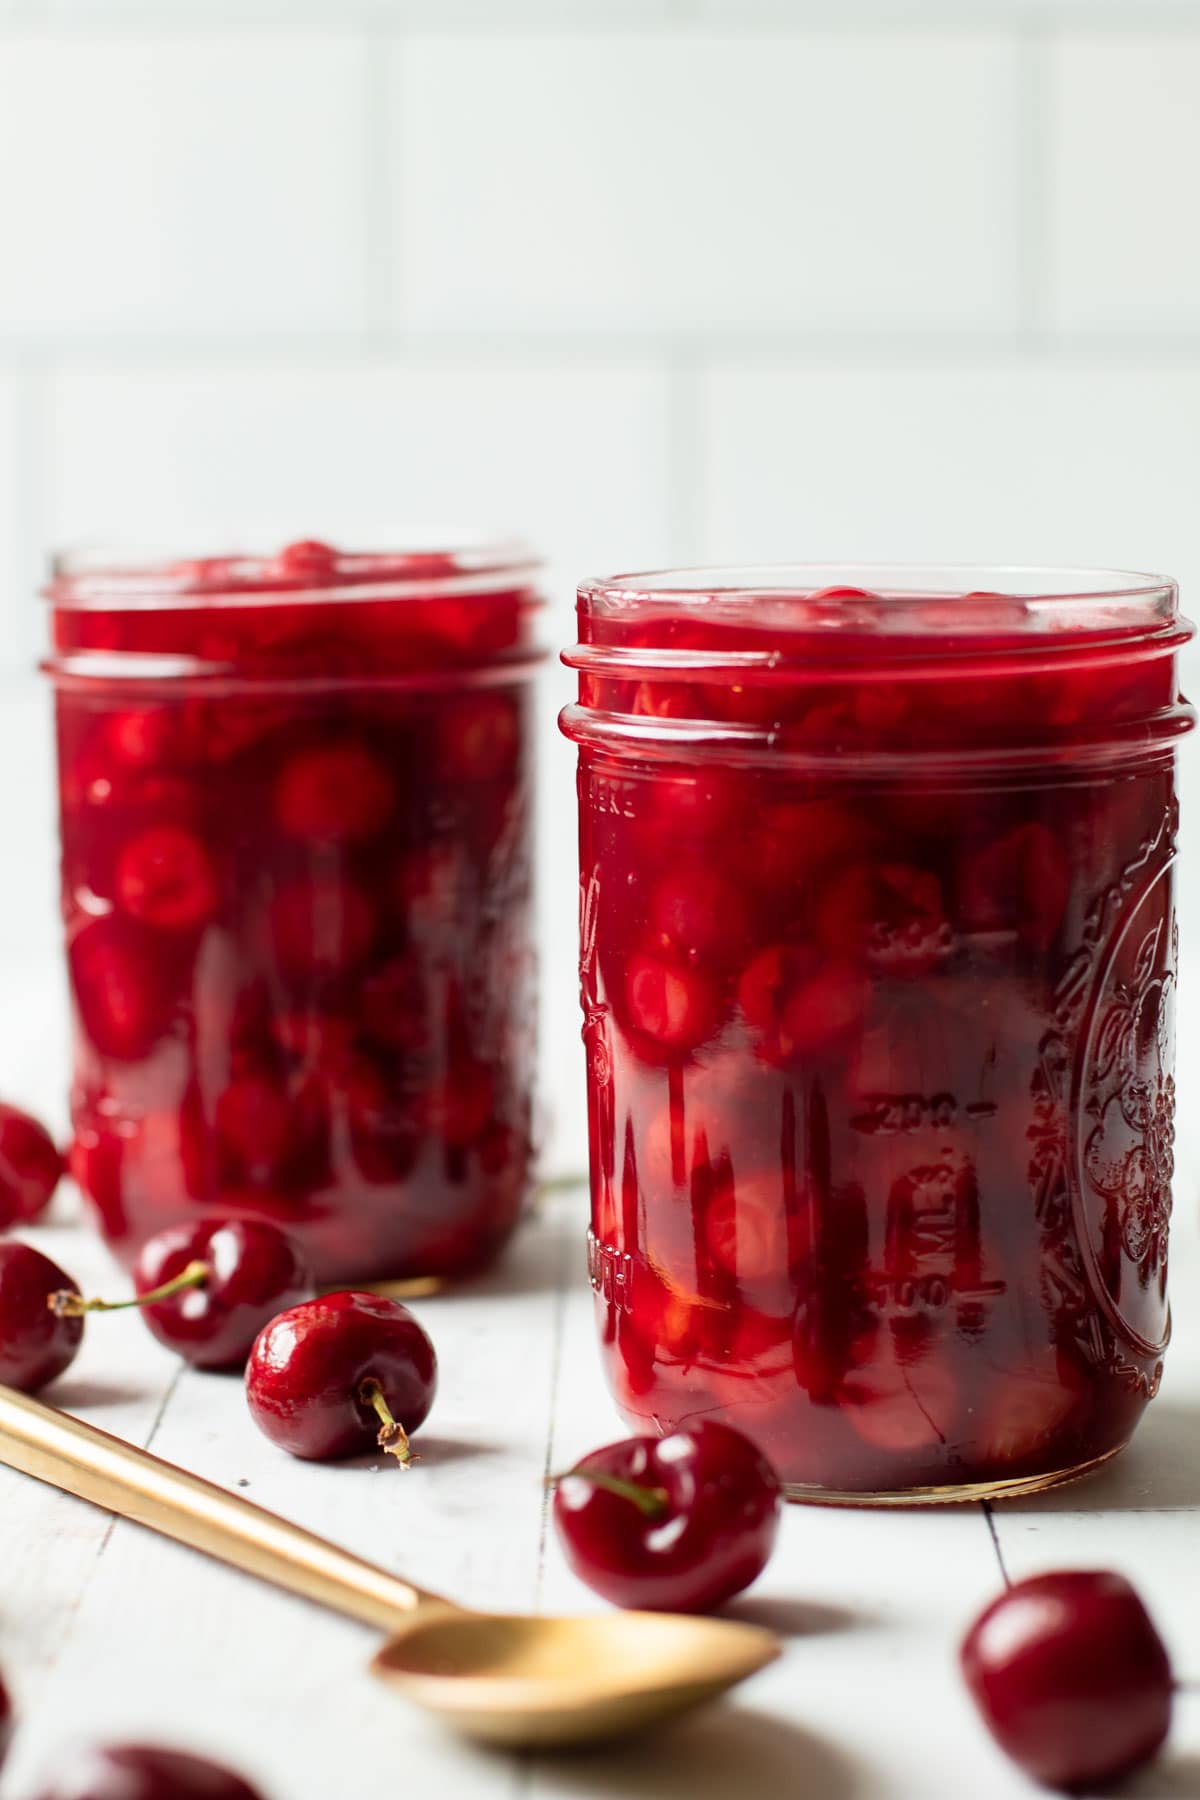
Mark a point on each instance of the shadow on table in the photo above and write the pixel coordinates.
(796, 1618)
(1160, 1470)
(1168, 1778)
(548, 1249)
(429, 1450)
(79, 1395)
(723, 1751)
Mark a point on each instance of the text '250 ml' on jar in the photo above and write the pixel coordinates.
(296, 797)
(879, 959)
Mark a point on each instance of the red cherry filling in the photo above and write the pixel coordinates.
(165, 878)
(338, 792)
(36, 1342)
(677, 1007)
(478, 739)
(320, 927)
(121, 994)
(745, 1228)
(1071, 1677)
(672, 1524)
(335, 1376)
(30, 1167)
(253, 1125)
(206, 1290)
(144, 1772)
(796, 1000)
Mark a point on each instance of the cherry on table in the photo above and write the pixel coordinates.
(6, 1723)
(145, 1772)
(36, 1342)
(673, 1524)
(1071, 1677)
(30, 1166)
(335, 1376)
(207, 1289)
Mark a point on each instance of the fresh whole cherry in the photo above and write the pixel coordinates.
(6, 1723)
(30, 1166)
(144, 1772)
(1071, 1677)
(337, 1375)
(673, 1524)
(207, 1289)
(36, 1342)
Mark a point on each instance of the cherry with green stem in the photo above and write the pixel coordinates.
(206, 1290)
(392, 1436)
(339, 1375)
(673, 1524)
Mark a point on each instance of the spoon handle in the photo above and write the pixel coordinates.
(56, 1448)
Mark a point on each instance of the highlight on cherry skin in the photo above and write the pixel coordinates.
(206, 1289)
(30, 1167)
(672, 1524)
(340, 1375)
(1071, 1678)
(145, 1772)
(37, 1342)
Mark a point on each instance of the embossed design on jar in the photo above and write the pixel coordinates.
(1103, 1130)
(610, 1272)
(595, 1012)
(1129, 1156)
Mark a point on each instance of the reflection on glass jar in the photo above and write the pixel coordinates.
(295, 808)
(878, 970)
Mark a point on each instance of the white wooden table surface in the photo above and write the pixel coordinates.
(107, 1630)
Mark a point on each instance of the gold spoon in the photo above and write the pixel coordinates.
(498, 1678)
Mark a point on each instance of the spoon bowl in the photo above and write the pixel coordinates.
(504, 1680)
(557, 1682)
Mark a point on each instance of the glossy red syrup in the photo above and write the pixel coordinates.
(878, 974)
(296, 880)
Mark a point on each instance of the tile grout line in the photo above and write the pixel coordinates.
(1034, 47)
(873, 16)
(995, 1537)
(889, 347)
(32, 488)
(113, 1521)
(526, 1761)
(685, 485)
(562, 1282)
(383, 51)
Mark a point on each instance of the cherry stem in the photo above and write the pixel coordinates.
(392, 1436)
(68, 1305)
(651, 1502)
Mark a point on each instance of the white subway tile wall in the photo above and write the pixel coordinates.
(642, 279)
(687, 182)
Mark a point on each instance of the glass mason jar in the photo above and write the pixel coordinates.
(878, 973)
(296, 801)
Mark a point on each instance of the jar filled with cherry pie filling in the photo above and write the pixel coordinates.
(878, 973)
(296, 797)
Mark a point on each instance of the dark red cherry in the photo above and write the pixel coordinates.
(143, 1772)
(122, 994)
(6, 1723)
(673, 1524)
(334, 793)
(308, 559)
(36, 1342)
(340, 1374)
(1071, 1677)
(165, 878)
(30, 1166)
(207, 1289)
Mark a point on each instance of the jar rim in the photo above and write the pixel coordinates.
(881, 595)
(426, 564)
